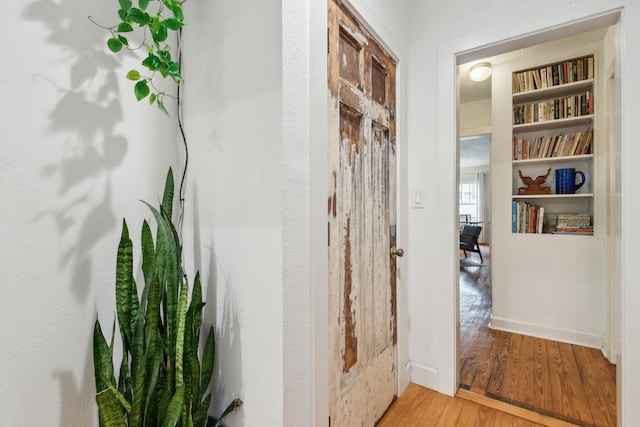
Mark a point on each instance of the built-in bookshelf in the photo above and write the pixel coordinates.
(553, 137)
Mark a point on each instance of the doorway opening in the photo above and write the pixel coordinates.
(528, 346)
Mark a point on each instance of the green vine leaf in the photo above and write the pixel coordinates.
(133, 75)
(114, 45)
(174, 7)
(174, 70)
(160, 35)
(124, 27)
(125, 4)
(138, 16)
(152, 62)
(141, 89)
(156, 19)
(162, 107)
(173, 24)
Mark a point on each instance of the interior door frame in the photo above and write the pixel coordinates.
(467, 49)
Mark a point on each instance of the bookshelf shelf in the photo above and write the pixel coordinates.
(552, 196)
(552, 129)
(553, 124)
(552, 160)
(551, 92)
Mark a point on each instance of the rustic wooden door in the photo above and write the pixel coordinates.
(362, 223)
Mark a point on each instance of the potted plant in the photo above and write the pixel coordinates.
(162, 381)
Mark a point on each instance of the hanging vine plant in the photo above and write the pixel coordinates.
(156, 19)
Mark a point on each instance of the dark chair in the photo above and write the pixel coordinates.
(464, 219)
(469, 240)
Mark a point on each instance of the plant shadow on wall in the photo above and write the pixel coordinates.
(85, 116)
(84, 119)
(226, 321)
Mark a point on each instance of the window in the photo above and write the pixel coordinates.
(468, 197)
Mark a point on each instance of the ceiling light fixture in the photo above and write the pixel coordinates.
(480, 72)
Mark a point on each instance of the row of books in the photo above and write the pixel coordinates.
(526, 217)
(570, 144)
(553, 75)
(554, 109)
(577, 223)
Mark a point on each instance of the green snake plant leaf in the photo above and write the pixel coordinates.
(167, 196)
(233, 407)
(208, 359)
(148, 253)
(102, 358)
(139, 369)
(119, 396)
(174, 409)
(126, 295)
(168, 267)
(201, 411)
(182, 314)
(154, 381)
(192, 340)
(197, 305)
(110, 410)
(125, 386)
(189, 366)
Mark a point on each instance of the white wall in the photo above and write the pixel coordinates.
(233, 121)
(475, 117)
(439, 31)
(78, 153)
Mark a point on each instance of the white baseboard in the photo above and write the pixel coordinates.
(424, 376)
(546, 332)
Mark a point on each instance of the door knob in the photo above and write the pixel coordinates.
(397, 252)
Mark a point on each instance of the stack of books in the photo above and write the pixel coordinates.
(576, 223)
(562, 145)
(526, 217)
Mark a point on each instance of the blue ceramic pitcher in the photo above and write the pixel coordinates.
(566, 180)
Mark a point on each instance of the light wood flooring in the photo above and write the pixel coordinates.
(511, 379)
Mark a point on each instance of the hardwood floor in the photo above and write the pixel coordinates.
(419, 406)
(511, 379)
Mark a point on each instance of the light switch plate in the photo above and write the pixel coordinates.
(417, 199)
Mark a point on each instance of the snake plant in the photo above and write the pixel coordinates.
(161, 382)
